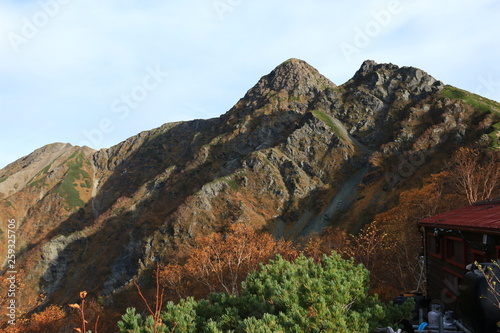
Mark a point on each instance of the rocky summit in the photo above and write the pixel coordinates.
(296, 154)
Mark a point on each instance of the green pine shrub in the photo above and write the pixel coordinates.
(283, 296)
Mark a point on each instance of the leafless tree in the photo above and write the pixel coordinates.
(475, 176)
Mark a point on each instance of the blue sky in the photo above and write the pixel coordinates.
(97, 72)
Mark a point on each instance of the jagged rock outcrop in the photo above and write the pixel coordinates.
(296, 154)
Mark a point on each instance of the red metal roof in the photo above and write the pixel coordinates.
(481, 217)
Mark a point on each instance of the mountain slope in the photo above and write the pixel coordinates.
(297, 153)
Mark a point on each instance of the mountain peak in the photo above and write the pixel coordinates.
(296, 74)
(20, 173)
(287, 87)
(294, 64)
(366, 67)
(416, 81)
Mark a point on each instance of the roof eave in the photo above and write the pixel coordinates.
(475, 229)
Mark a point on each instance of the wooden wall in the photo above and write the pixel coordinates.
(448, 252)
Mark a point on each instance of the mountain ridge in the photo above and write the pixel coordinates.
(297, 153)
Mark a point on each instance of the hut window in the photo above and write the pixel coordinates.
(455, 251)
(434, 245)
(479, 256)
(452, 281)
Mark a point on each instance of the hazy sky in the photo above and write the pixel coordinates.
(97, 72)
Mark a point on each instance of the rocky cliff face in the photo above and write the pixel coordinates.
(297, 153)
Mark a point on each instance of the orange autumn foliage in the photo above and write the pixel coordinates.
(220, 262)
(50, 320)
